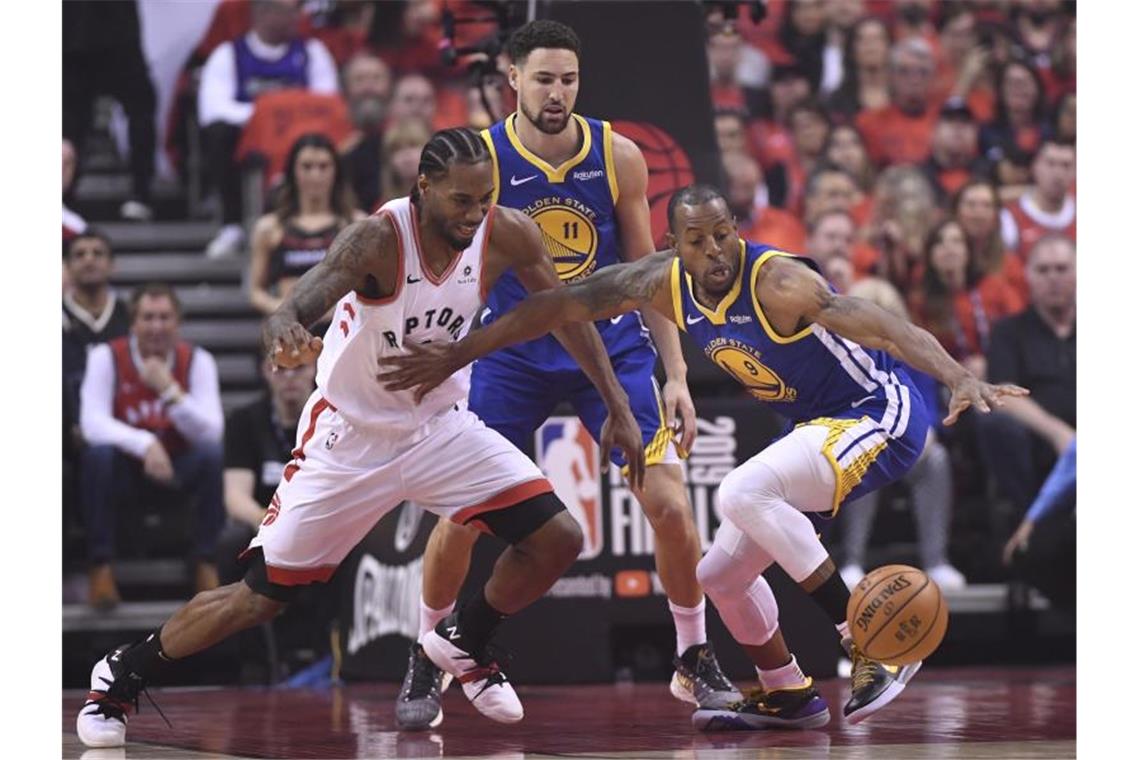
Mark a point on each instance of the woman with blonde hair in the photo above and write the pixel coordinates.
(402, 146)
(905, 208)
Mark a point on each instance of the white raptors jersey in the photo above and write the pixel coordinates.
(424, 309)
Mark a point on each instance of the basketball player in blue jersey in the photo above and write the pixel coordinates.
(585, 187)
(827, 363)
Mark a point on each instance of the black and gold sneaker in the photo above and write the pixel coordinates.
(799, 707)
(698, 679)
(874, 685)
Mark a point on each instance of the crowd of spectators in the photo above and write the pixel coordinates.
(922, 152)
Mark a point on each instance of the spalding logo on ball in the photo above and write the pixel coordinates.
(669, 170)
(897, 615)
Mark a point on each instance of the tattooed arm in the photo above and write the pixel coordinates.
(792, 295)
(361, 250)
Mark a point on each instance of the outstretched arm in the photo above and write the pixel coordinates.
(799, 294)
(614, 290)
(358, 251)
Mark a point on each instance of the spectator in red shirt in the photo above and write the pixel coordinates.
(905, 210)
(1039, 27)
(954, 155)
(845, 149)
(963, 65)
(1022, 121)
(956, 300)
(1048, 205)
(809, 125)
(747, 199)
(976, 207)
(900, 132)
(731, 136)
(866, 56)
(724, 49)
(771, 139)
(830, 188)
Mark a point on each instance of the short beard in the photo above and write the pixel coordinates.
(368, 113)
(543, 127)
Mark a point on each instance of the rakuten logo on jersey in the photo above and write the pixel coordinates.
(592, 174)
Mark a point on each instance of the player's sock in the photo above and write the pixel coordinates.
(832, 596)
(430, 617)
(144, 658)
(689, 623)
(784, 677)
(478, 620)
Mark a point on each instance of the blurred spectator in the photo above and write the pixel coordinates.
(977, 208)
(930, 481)
(368, 88)
(1065, 122)
(730, 133)
(866, 57)
(92, 313)
(769, 133)
(1036, 349)
(259, 442)
(269, 57)
(1038, 27)
(913, 20)
(1043, 549)
(747, 199)
(407, 35)
(900, 132)
(102, 55)
(1061, 76)
(313, 205)
(842, 15)
(491, 88)
(831, 244)
(1048, 205)
(1021, 123)
(830, 188)
(845, 149)
(150, 406)
(73, 223)
(403, 144)
(345, 31)
(736, 70)
(809, 125)
(905, 211)
(803, 35)
(954, 155)
(963, 65)
(957, 301)
(413, 99)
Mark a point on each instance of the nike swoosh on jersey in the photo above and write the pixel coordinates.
(690, 321)
(515, 182)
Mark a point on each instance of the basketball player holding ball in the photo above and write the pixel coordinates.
(827, 363)
(585, 186)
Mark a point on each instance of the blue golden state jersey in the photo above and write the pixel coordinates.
(573, 205)
(875, 416)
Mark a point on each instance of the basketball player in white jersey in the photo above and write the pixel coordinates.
(416, 272)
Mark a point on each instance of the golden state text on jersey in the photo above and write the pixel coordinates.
(574, 206)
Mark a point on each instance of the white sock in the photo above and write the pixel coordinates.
(785, 677)
(429, 618)
(690, 625)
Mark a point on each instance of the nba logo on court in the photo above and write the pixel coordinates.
(568, 457)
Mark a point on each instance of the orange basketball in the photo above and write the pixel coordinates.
(897, 615)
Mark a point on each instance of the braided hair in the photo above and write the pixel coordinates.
(447, 147)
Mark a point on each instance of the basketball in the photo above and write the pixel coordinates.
(897, 615)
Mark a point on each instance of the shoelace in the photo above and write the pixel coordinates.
(121, 694)
(709, 669)
(424, 675)
(863, 669)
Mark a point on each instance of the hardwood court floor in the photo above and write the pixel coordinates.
(947, 713)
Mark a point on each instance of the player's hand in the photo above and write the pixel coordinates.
(156, 374)
(1019, 541)
(677, 400)
(970, 391)
(289, 344)
(422, 368)
(157, 464)
(621, 430)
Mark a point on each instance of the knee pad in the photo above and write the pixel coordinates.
(719, 574)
